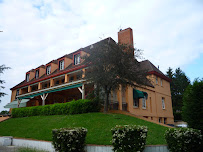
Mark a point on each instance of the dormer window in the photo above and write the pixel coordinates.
(36, 74)
(27, 77)
(48, 70)
(61, 65)
(76, 59)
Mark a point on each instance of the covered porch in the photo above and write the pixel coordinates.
(57, 94)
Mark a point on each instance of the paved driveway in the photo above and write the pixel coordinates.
(4, 118)
(8, 149)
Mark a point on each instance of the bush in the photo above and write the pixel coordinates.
(69, 139)
(129, 138)
(183, 139)
(73, 107)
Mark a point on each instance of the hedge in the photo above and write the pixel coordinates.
(184, 140)
(72, 107)
(69, 139)
(129, 138)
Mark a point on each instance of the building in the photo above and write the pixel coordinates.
(61, 81)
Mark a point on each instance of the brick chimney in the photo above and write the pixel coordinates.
(126, 37)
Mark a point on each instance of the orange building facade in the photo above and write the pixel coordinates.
(62, 80)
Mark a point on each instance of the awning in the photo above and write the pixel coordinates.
(51, 90)
(139, 94)
(14, 103)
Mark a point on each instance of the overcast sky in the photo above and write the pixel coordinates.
(35, 32)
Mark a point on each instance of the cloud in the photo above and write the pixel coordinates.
(36, 32)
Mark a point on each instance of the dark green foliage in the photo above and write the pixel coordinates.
(178, 85)
(193, 105)
(2, 68)
(111, 65)
(183, 140)
(69, 139)
(73, 107)
(129, 138)
(4, 112)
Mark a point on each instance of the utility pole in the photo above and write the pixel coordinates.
(1, 31)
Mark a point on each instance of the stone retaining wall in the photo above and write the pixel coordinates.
(47, 146)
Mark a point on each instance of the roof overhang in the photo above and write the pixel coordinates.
(160, 75)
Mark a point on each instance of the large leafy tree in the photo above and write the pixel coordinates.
(178, 85)
(193, 105)
(112, 65)
(2, 68)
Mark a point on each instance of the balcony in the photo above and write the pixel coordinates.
(53, 82)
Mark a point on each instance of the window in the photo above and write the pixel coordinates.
(27, 77)
(57, 82)
(136, 102)
(165, 120)
(36, 74)
(144, 103)
(48, 70)
(61, 65)
(76, 59)
(17, 92)
(161, 82)
(163, 104)
(71, 79)
(159, 119)
(156, 80)
(45, 85)
(79, 76)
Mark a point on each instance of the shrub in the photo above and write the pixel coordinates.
(129, 138)
(69, 139)
(183, 139)
(73, 107)
(192, 110)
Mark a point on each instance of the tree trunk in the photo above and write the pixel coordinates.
(106, 102)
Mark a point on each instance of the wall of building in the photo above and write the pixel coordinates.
(153, 110)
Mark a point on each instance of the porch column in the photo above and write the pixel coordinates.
(19, 100)
(83, 73)
(82, 91)
(44, 96)
(20, 91)
(51, 82)
(29, 89)
(39, 86)
(66, 78)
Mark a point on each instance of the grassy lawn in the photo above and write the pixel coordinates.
(98, 125)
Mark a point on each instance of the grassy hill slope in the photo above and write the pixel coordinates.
(98, 125)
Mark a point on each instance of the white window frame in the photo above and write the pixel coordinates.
(37, 74)
(48, 70)
(61, 65)
(136, 102)
(27, 77)
(76, 59)
(144, 104)
(163, 102)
